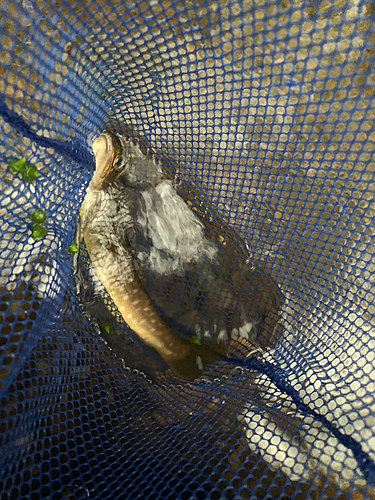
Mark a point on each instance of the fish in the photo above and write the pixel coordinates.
(108, 227)
(196, 267)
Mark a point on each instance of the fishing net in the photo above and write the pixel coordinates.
(260, 115)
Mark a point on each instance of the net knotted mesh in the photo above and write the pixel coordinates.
(259, 117)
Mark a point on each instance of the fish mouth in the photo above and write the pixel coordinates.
(107, 150)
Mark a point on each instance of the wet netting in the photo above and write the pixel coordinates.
(259, 115)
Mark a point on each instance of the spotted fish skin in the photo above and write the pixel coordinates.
(108, 228)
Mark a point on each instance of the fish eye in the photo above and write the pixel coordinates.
(117, 165)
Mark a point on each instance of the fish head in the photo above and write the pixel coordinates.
(111, 159)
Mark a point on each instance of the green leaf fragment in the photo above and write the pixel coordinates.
(30, 173)
(195, 340)
(38, 216)
(38, 231)
(107, 328)
(73, 248)
(17, 165)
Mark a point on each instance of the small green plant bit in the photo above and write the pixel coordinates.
(107, 328)
(17, 165)
(72, 248)
(38, 216)
(195, 340)
(20, 165)
(30, 173)
(38, 231)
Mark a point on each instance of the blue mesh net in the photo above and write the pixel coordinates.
(260, 114)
